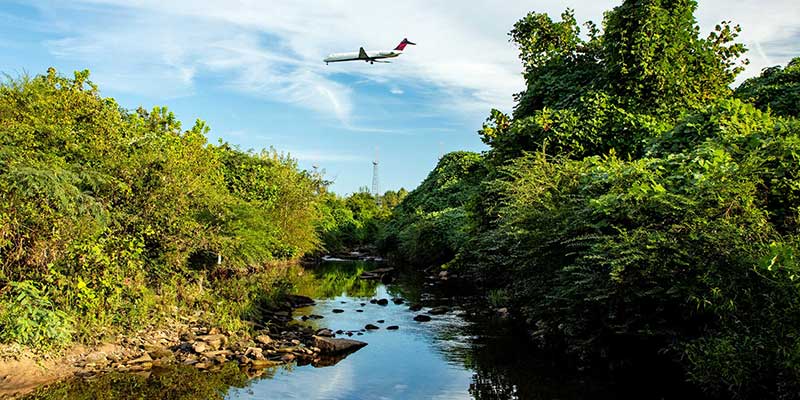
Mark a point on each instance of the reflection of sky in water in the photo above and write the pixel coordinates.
(404, 364)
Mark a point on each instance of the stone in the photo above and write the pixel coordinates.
(298, 301)
(337, 311)
(392, 327)
(214, 341)
(502, 312)
(438, 310)
(199, 347)
(97, 358)
(398, 300)
(373, 301)
(415, 307)
(332, 346)
(324, 332)
(263, 339)
(157, 352)
(371, 327)
(287, 357)
(383, 302)
(359, 310)
(422, 318)
(380, 321)
(145, 358)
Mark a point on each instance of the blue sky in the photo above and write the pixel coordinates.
(253, 70)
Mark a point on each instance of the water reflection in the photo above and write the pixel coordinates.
(463, 354)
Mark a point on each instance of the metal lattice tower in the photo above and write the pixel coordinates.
(375, 183)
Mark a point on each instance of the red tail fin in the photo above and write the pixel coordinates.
(403, 44)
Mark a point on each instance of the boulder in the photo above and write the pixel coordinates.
(334, 346)
(422, 318)
(383, 302)
(371, 327)
(392, 327)
(324, 332)
(397, 300)
(415, 307)
(337, 311)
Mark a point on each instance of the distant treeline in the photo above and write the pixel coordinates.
(113, 219)
(633, 205)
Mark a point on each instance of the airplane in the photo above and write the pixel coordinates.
(369, 56)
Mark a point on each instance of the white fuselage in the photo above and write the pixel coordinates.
(371, 55)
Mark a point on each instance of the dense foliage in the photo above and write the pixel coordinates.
(632, 207)
(356, 221)
(109, 215)
(428, 227)
(777, 89)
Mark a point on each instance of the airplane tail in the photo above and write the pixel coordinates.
(403, 44)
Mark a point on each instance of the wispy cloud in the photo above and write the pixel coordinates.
(273, 50)
(324, 155)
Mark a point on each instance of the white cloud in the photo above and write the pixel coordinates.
(274, 49)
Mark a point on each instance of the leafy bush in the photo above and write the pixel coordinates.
(29, 317)
(630, 208)
(430, 225)
(108, 209)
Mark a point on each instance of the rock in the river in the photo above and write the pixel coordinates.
(332, 346)
(397, 300)
(422, 318)
(380, 321)
(299, 301)
(337, 311)
(415, 307)
(325, 332)
(315, 316)
(373, 301)
(371, 327)
(383, 302)
(392, 327)
(438, 310)
(359, 310)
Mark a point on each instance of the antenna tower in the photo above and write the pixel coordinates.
(375, 183)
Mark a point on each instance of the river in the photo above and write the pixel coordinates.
(465, 353)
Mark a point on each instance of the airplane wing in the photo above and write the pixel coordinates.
(362, 54)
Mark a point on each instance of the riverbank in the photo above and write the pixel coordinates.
(244, 320)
